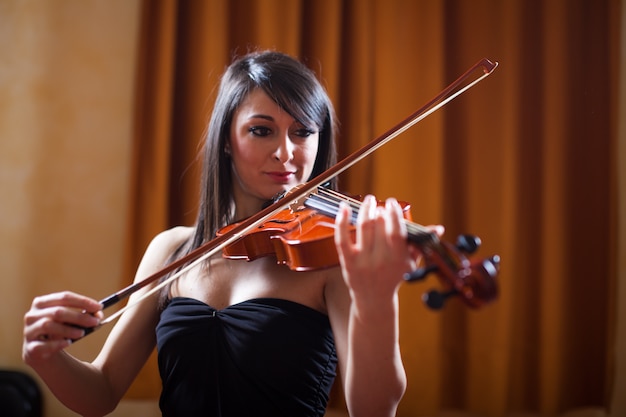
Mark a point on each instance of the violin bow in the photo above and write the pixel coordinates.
(466, 81)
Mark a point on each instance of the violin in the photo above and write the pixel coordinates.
(304, 212)
(302, 238)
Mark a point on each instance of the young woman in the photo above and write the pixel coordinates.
(238, 338)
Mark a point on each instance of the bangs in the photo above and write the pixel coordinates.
(304, 105)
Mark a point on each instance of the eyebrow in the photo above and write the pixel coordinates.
(271, 119)
(262, 116)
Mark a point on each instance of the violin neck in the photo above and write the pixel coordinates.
(327, 202)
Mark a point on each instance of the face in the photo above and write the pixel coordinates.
(270, 152)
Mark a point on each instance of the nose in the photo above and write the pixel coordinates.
(284, 150)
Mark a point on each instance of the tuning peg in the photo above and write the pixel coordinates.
(492, 266)
(420, 273)
(468, 243)
(435, 299)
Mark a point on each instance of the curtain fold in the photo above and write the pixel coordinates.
(151, 173)
(617, 345)
(524, 160)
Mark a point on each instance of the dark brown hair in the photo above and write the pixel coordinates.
(295, 88)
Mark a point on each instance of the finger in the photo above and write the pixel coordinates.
(67, 299)
(60, 325)
(416, 257)
(438, 229)
(44, 348)
(366, 224)
(395, 224)
(52, 330)
(342, 232)
(380, 230)
(63, 314)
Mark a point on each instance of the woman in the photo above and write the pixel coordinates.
(248, 338)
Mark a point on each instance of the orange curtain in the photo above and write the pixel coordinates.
(525, 160)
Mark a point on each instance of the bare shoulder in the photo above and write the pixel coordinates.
(161, 248)
(168, 240)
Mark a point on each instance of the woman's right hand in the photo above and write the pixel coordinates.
(54, 320)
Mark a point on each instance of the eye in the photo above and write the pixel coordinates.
(303, 132)
(260, 131)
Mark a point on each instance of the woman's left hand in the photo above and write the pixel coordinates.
(374, 262)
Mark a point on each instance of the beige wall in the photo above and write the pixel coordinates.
(66, 101)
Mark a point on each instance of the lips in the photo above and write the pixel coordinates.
(282, 177)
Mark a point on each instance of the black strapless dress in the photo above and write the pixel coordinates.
(261, 357)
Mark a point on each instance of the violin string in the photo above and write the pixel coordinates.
(335, 198)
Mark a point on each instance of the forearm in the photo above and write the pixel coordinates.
(375, 377)
(80, 386)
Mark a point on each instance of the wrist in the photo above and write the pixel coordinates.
(377, 308)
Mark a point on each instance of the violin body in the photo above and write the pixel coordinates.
(301, 239)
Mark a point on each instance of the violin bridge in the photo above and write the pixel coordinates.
(297, 204)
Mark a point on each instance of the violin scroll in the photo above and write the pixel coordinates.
(473, 281)
(476, 289)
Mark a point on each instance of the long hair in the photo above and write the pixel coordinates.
(295, 88)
